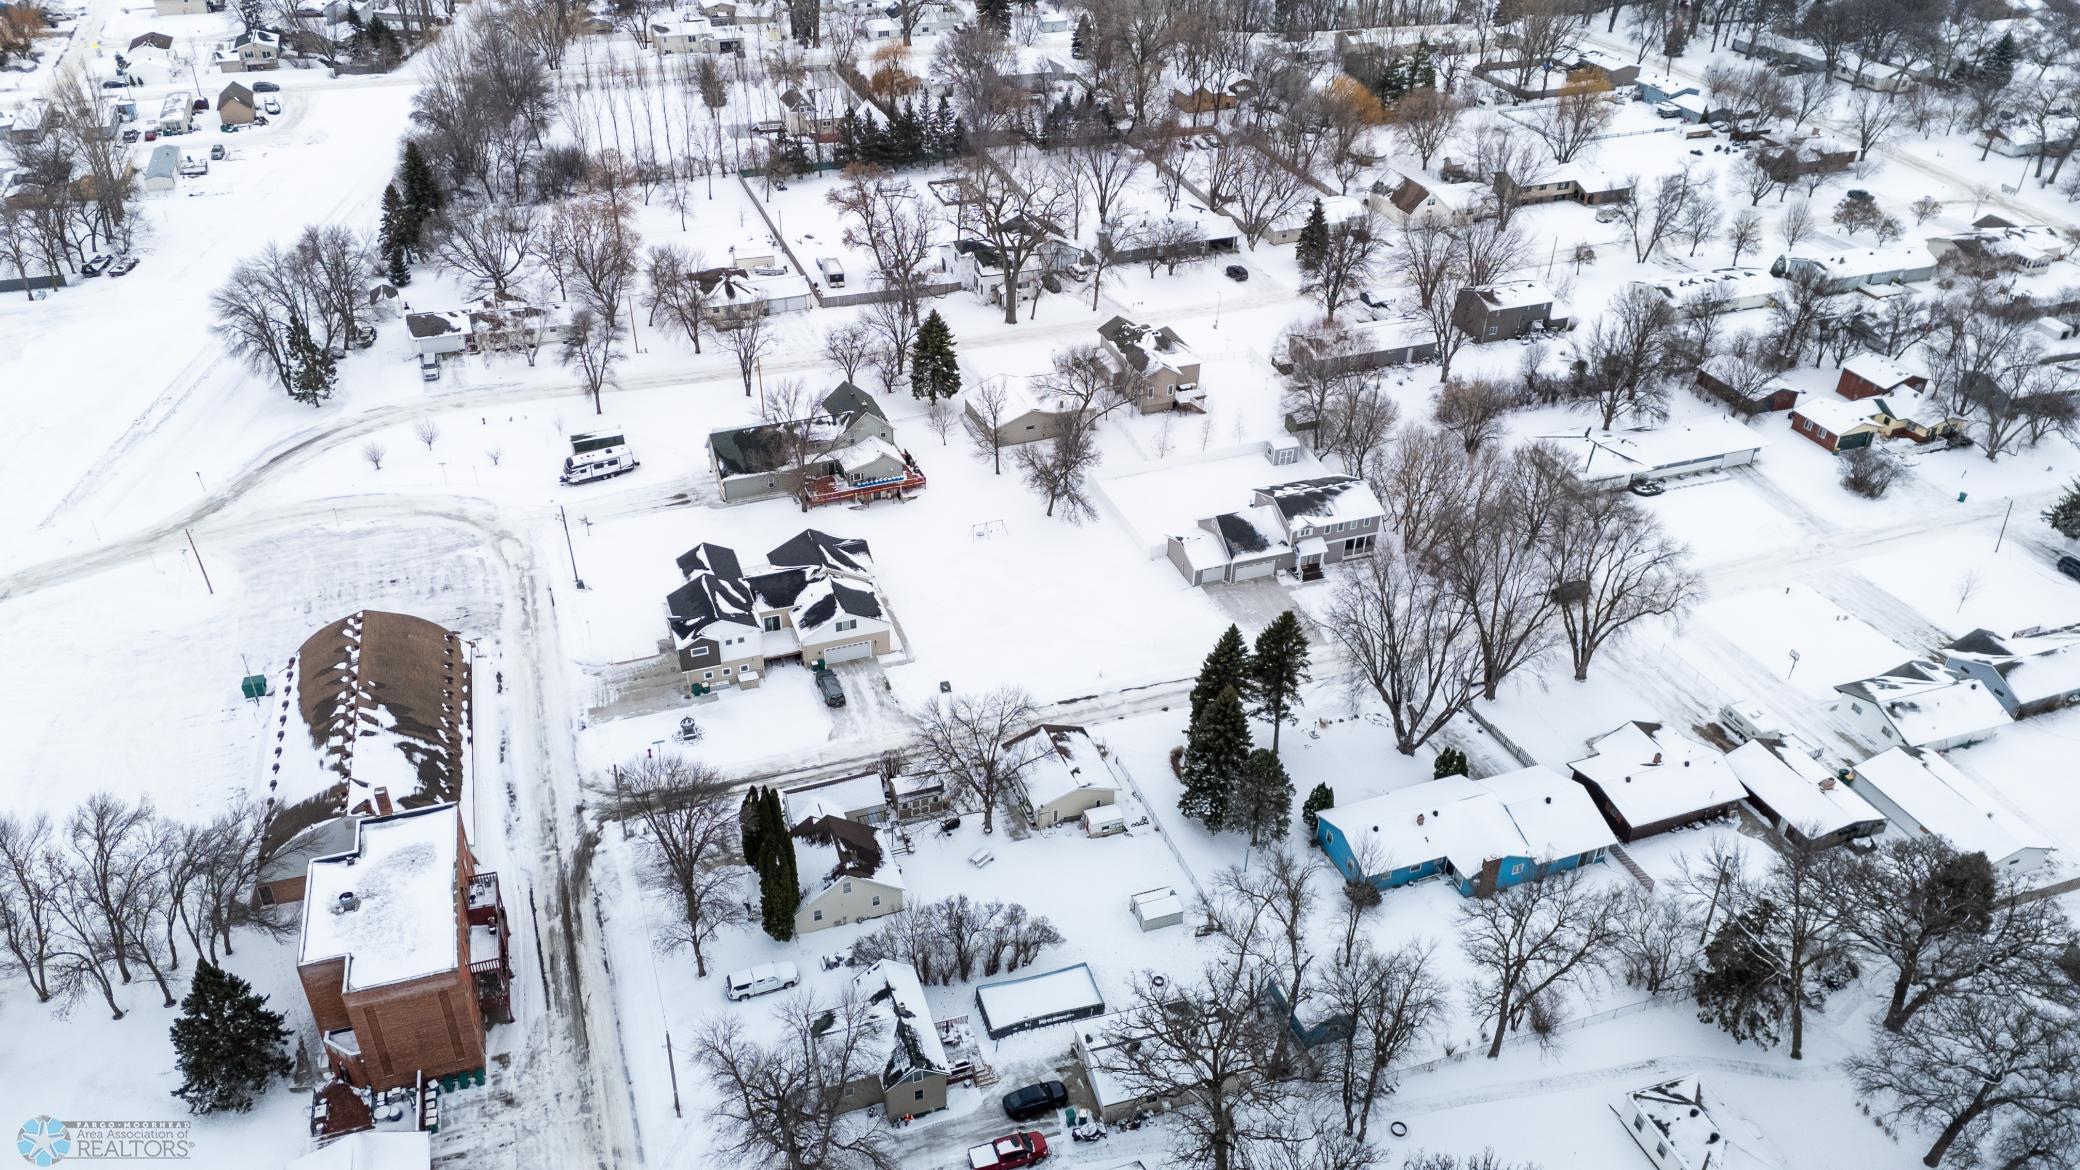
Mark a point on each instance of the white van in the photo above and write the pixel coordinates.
(598, 455)
(759, 980)
(833, 273)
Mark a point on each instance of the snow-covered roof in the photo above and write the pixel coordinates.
(1735, 284)
(1535, 813)
(854, 458)
(1611, 454)
(1514, 294)
(1879, 370)
(839, 798)
(1554, 814)
(1834, 415)
(389, 906)
(372, 1149)
(898, 1006)
(2033, 667)
(720, 590)
(1927, 704)
(829, 849)
(1946, 802)
(1054, 760)
(1324, 499)
(1008, 1003)
(1851, 264)
(1697, 1133)
(1650, 773)
(1799, 789)
(1148, 347)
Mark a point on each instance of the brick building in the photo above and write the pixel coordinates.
(403, 956)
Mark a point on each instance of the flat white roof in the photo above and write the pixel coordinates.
(1010, 1002)
(1800, 789)
(1609, 454)
(1946, 802)
(402, 878)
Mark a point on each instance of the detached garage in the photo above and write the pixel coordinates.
(1009, 1006)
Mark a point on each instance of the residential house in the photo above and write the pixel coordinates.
(1923, 793)
(161, 168)
(1510, 309)
(1482, 835)
(2030, 674)
(1835, 425)
(1801, 797)
(2004, 248)
(691, 31)
(1721, 290)
(863, 797)
(816, 107)
(2018, 139)
(1677, 1128)
(1201, 100)
(30, 123)
(236, 105)
(908, 1076)
(253, 51)
(155, 43)
(845, 452)
(730, 295)
(513, 325)
(1167, 369)
(1654, 89)
(1061, 773)
(176, 113)
(1919, 704)
(1297, 527)
(1338, 210)
(1868, 375)
(728, 622)
(1608, 68)
(404, 953)
(979, 268)
(1732, 380)
(1647, 778)
(846, 876)
(438, 333)
(1840, 271)
(1840, 426)
(1622, 458)
(1032, 410)
(1793, 156)
(1425, 200)
(1119, 1098)
(1364, 345)
(1572, 182)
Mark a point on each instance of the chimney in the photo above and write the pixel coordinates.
(380, 798)
(1657, 757)
(347, 903)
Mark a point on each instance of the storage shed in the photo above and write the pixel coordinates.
(1157, 908)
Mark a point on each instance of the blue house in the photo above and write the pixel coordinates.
(1481, 835)
(1654, 90)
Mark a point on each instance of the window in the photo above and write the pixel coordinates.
(877, 899)
(1516, 868)
(772, 623)
(699, 652)
(728, 670)
(267, 895)
(1357, 544)
(1660, 1149)
(1639, 1121)
(817, 917)
(919, 1095)
(847, 624)
(707, 674)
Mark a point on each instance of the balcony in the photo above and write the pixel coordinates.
(833, 489)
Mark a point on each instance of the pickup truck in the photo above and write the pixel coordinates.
(1011, 1150)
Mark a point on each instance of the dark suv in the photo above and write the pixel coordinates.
(830, 688)
(1035, 1100)
(2070, 566)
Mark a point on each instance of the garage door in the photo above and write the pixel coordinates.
(1252, 571)
(849, 653)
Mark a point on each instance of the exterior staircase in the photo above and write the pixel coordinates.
(1632, 867)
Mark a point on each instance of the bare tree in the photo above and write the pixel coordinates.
(984, 417)
(1277, 895)
(29, 926)
(1393, 1002)
(673, 288)
(749, 338)
(489, 246)
(1265, 191)
(1014, 209)
(1651, 218)
(1534, 941)
(886, 218)
(1492, 557)
(1473, 409)
(1573, 120)
(1352, 257)
(1873, 117)
(962, 738)
(1410, 640)
(782, 1104)
(1744, 233)
(1622, 364)
(1059, 468)
(1871, 471)
(426, 431)
(1655, 939)
(685, 815)
(1424, 120)
(1613, 566)
(847, 347)
(372, 453)
(591, 347)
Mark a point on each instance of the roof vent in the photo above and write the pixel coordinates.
(1549, 800)
(347, 903)
(1657, 757)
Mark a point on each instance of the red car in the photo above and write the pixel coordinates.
(1011, 1150)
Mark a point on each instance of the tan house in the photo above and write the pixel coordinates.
(846, 876)
(256, 51)
(1061, 773)
(813, 601)
(1168, 368)
(909, 1079)
(235, 106)
(403, 955)
(1031, 412)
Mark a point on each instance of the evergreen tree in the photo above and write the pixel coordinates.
(847, 148)
(1277, 670)
(1450, 762)
(906, 136)
(2064, 516)
(311, 372)
(946, 138)
(1227, 667)
(1321, 798)
(1742, 987)
(1216, 748)
(1313, 243)
(2000, 60)
(1263, 801)
(935, 371)
(1079, 41)
(421, 194)
(994, 13)
(390, 230)
(779, 884)
(226, 1043)
(397, 272)
(751, 827)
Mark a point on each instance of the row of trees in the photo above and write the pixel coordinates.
(74, 192)
(1229, 783)
(107, 895)
(956, 939)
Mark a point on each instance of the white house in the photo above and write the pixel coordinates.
(1618, 458)
(1921, 792)
(1845, 269)
(1061, 772)
(1648, 779)
(1727, 290)
(845, 874)
(1419, 200)
(1919, 704)
(1802, 797)
(1679, 1127)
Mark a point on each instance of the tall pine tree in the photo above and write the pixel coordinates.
(1079, 41)
(1263, 800)
(1215, 751)
(1226, 667)
(1277, 670)
(935, 371)
(421, 193)
(751, 826)
(1313, 243)
(779, 884)
(226, 1043)
(994, 13)
(311, 372)
(1450, 762)
(2064, 516)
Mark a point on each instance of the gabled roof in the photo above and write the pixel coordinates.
(1535, 813)
(1946, 802)
(1322, 499)
(898, 1005)
(2034, 667)
(1056, 759)
(235, 93)
(1799, 789)
(1650, 773)
(713, 558)
(810, 546)
(1927, 704)
(849, 400)
(829, 849)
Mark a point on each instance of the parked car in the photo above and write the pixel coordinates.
(1609, 215)
(123, 266)
(1644, 487)
(1011, 1150)
(230, 127)
(194, 168)
(95, 266)
(116, 83)
(130, 135)
(429, 367)
(1236, 273)
(266, 87)
(271, 106)
(1859, 194)
(1035, 1100)
(217, 152)
(2070, 566)
(760, 980)
(832, 690)
(151, 135)
(364, 336)
(201, 104)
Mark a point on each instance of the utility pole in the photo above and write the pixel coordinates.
(2004, 526)
(198, 562)
(568, 546)
(475, 781)
(672, 1065)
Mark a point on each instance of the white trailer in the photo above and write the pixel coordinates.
(598, 455)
